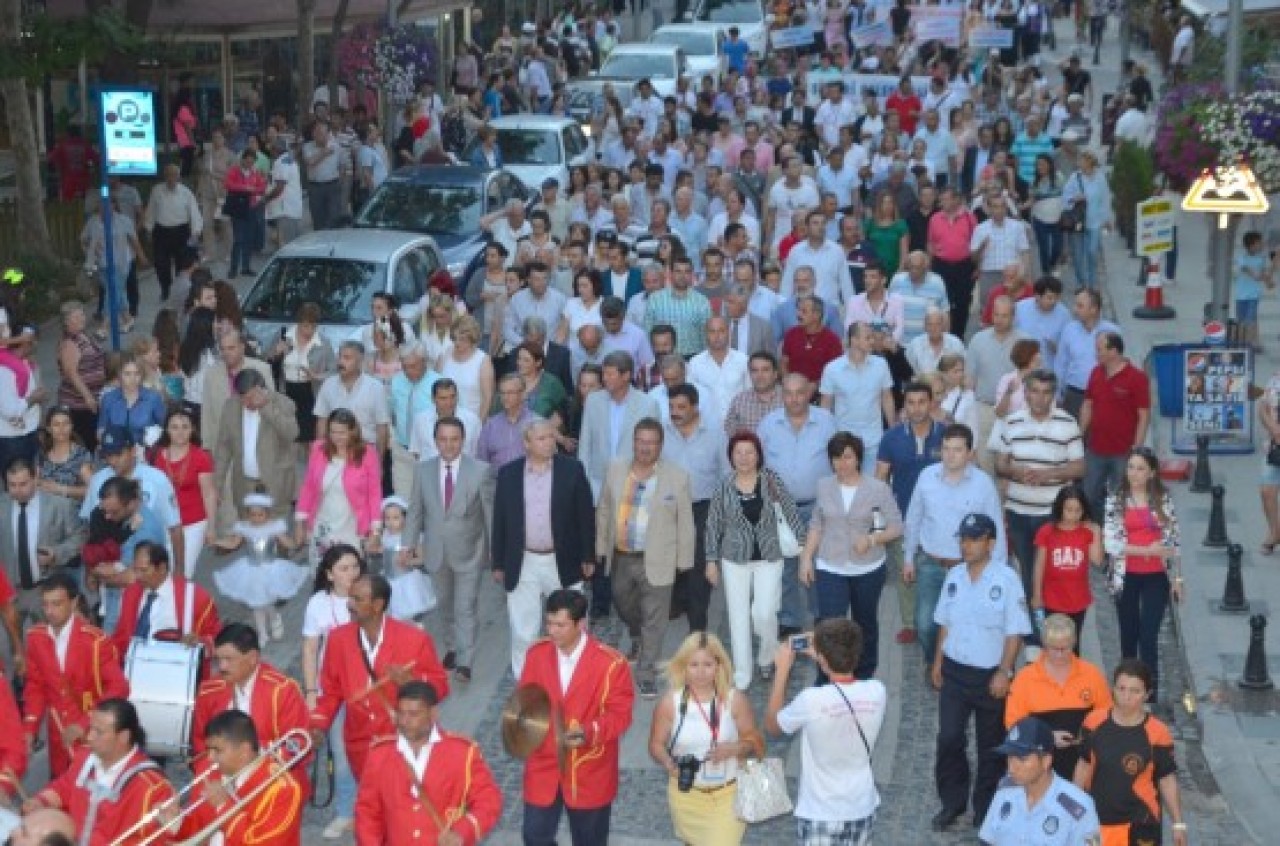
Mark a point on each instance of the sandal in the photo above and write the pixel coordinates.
(1268, 547)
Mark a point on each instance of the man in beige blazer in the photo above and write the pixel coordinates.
(216, 390)
(269, 419)
(644, 528)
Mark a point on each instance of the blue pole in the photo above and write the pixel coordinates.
(109, 272)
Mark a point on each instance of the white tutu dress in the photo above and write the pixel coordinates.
(258, 577)
(411, 590)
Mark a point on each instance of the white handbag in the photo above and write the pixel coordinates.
(762, 791)
(787, 540)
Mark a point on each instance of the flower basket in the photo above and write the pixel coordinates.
(396, 61)
(1199, 126)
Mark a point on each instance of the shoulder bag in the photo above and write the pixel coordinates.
(762, 791)
(1072, 219)
(788, 543)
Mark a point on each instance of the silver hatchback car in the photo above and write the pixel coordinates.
(339, 270)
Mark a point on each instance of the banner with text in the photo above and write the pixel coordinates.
(856, 85)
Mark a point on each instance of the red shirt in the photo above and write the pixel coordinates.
(809, 354)
(908, 109)
(949, 237)
(1066, 568)
(1143, 529)
(999, 291)
(1116, 402)
(185, 476)
(785, 245)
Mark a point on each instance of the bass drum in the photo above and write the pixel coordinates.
(163, 677)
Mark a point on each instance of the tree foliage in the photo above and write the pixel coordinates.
(47, 46)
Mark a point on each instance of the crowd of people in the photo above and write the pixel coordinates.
(791, 338)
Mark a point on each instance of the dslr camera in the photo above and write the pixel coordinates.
(687, 767)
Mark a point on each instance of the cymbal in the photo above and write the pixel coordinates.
(526, 719)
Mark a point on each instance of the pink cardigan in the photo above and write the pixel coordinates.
(362, 482)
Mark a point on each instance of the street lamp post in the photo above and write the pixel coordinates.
(1225, 233)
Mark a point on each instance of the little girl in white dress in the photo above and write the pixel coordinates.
(412, 593)
(259, 577)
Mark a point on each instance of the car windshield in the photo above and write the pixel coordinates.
(639, 66)
(529, 146)
(414, 207)
(732, 11)
(694, 43)
(342, 288)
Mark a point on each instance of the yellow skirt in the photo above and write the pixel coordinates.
(705, 819)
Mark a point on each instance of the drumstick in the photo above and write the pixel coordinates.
(17, 785)
(383, 682)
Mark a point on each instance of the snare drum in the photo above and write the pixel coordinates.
(163, 677)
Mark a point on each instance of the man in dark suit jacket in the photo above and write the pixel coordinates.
(800, 112)
(544, 534)
(558, 359)
(976, 158)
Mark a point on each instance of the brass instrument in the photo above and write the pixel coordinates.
(288, 751)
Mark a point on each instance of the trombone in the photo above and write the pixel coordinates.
(288, 751)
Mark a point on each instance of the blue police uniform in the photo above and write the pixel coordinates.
(1064, 816)
(978, 614)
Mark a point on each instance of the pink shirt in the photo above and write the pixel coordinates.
(890, 310)
(537, 508)
(361, 482)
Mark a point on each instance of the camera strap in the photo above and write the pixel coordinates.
(856, 722)
(713, 722)
(683, 709)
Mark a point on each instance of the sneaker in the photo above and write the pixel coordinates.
(450, 660)
(906, 636)
(337, 828)
(633, 654)
(462, 675)
(647, 689)
(277, 626)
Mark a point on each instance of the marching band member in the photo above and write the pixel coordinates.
(44, 828)
(157, 600)
(589, 685)
(13, 751)
(71, 667)
(428, 786)
(247, 683)
(111, 785)
(273, 817)
(362, 659)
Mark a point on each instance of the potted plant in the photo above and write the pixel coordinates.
(1132, 181)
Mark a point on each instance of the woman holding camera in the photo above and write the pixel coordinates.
(700, 730)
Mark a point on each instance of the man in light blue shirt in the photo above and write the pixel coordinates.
(409, 396)
(795, 439)
(118, 450)
(1077, 352)
(944, 493)
(858, 389)
(919, 288)
(1043, 318)
(689, 226)
(940, 147)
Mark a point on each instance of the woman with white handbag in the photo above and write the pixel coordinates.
(838, 724)
(752, 525)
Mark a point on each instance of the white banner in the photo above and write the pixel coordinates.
(990, 38)
(872, 35)
(857, 84)
(944, 29)
(792, 36)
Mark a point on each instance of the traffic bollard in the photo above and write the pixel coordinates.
(1217, 534)
(1256, 674)
(1233, 601)
(1202, 478)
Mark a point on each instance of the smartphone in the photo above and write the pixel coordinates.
(799, 643)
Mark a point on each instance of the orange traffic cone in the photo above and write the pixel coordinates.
(1153, 308)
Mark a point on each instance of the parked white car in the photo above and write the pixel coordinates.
(539, 147)
(749, 16)
(661, 64)
(702, 43)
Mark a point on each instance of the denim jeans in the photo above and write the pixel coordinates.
(1049, 243)
(838, 595)
(798, 602)
(243, 236)
(344, 784)
(1140, 608)
(1102, 473)
(1022, 530)
(1084, 256)
(109, 606)
(930, 576)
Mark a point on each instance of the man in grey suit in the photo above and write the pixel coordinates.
(51, 538)
(451, 503)
(748, 333)
(607, 436)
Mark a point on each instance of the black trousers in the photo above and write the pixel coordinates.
(691, 594)
(587, 826)
(965, 695)
(958, 277)
(167, 245)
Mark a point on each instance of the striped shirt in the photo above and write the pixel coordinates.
(687, 314)
(1051, 443)
(633, 514)
(748, 408)
(1002, 244)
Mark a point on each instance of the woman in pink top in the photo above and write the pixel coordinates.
(1141, 536)
(1025, 356)
(245, 187)
(341, 493)
(184, 129)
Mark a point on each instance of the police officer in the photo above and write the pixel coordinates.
(981, 617)
(1034, 805)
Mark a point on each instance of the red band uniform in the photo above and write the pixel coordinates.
(13, 745)
(65, 690)
(345, 679)
(274, 818)
(137, 789)
(204, 622)
(459, 787)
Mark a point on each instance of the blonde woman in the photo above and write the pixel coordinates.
(702, 718)
(469, 367)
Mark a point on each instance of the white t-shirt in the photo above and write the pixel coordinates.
(289, 203)
(836, 782)
(325, 612)
(785, 200)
